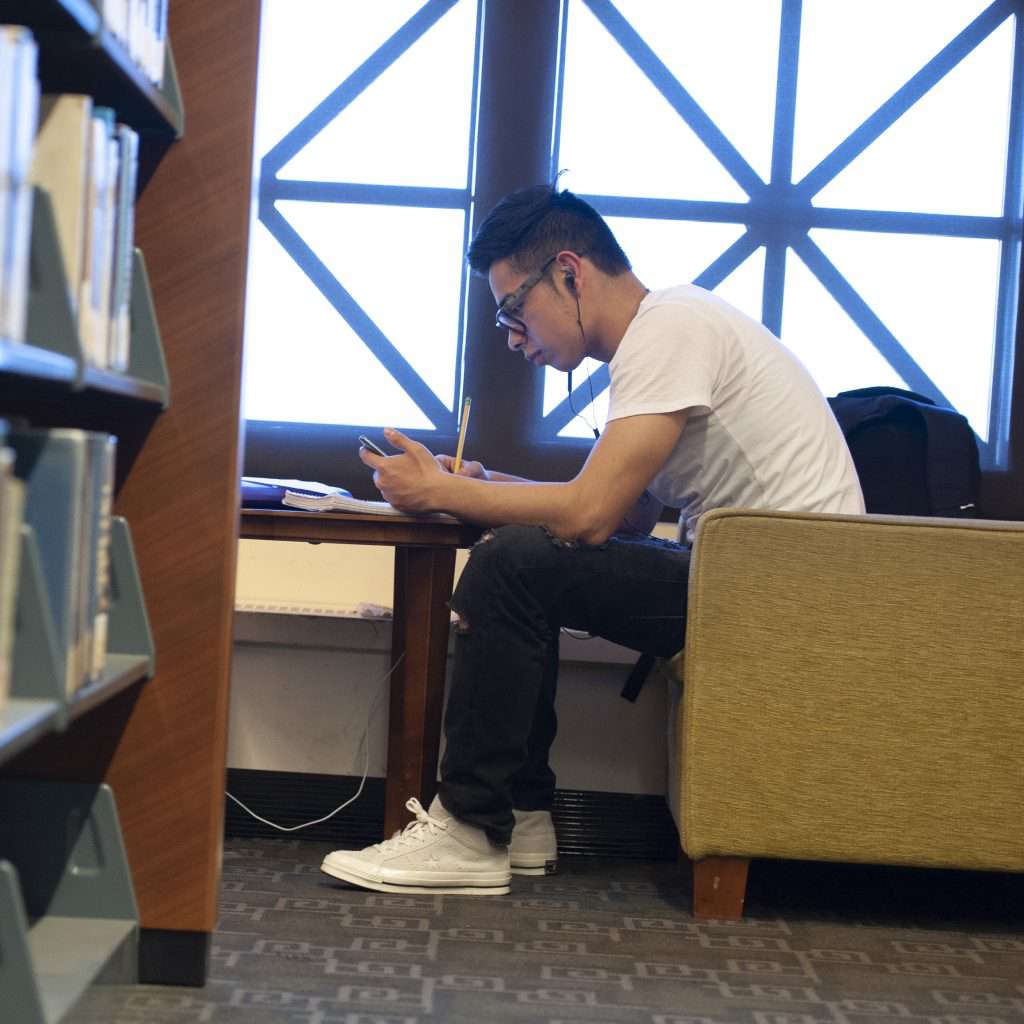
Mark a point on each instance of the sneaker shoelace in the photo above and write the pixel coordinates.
(416, 831)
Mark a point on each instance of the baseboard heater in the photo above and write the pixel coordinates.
(588, 823)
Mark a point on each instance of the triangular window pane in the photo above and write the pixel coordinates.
(947, 153)
(940, 305)
(619, 136)
(821, 335)
(854, 56)
(410, 291)
(665, 253)
(303, 363)
(590, 414)
(411, 125)
(305, 55)
(744, 287)
(690, 38)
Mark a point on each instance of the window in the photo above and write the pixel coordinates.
(867, 210)
(356, 277)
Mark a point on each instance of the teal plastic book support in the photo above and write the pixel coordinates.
(64, 869)
(17, 973)
(146, 356)
(171, 89)
(53, 325)
(36, 664)
(129, 631)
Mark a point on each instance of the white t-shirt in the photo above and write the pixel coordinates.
(759, 434)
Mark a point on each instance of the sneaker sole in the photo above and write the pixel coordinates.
(534, 864)
(485, 887)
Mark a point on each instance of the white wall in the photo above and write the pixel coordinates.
(311, 655)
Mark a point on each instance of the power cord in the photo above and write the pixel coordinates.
(365, 743)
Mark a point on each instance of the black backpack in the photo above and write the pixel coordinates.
(913, 457)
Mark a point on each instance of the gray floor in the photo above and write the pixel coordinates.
(608, 941)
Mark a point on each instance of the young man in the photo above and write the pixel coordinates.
(707, 409)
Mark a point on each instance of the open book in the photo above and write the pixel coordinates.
(344, 502)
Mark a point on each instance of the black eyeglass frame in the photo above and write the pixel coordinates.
(504, 319)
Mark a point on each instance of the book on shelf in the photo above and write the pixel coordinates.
(12, 501)
(61, 166)
(141, 27)
(88, 163)
(119, 341)
(19, 101)
(93, 299)
(68, 476)
(99, 505)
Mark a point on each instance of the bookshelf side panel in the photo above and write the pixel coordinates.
(181, 496)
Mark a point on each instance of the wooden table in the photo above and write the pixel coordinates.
(424, 571)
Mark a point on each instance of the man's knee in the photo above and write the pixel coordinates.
(499, 553)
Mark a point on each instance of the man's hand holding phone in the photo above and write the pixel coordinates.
(409, 477)
(370, 446)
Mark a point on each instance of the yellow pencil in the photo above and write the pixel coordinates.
(462, 434)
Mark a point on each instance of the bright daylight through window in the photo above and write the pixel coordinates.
(857, 187)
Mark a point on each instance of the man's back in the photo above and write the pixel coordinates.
(759, 434)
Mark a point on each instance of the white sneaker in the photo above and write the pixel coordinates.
(534, 849)
(436, 853)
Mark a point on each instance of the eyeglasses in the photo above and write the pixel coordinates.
(505, 319)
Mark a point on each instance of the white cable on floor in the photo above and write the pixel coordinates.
(366, 764)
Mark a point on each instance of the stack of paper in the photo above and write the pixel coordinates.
(346, 503)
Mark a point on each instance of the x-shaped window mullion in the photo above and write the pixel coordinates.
(787, 224)
(272, 189)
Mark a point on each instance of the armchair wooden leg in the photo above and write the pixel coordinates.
(720, 887)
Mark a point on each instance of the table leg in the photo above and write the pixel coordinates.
(423, 587)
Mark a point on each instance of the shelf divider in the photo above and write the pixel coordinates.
(52, 323)
(64, 843)
(36, 662)
(17, 975)
(129, 631)
(146, 360)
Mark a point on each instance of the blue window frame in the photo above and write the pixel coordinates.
(293, 210)
(780, 216)
(776, 211)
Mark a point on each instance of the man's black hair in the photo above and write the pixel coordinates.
(532, 224)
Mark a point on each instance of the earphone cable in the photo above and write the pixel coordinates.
(590, 384)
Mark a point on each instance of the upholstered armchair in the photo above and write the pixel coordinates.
(852, 689)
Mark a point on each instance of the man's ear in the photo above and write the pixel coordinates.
(569, 264)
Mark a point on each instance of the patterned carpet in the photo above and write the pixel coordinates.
(603, 941)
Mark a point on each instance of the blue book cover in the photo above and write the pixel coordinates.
(267, 492)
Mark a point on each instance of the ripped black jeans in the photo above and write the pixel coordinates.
(519, 586)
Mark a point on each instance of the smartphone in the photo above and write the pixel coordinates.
(367, 443)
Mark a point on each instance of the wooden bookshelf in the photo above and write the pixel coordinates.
(161, 746)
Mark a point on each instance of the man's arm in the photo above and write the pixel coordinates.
(477, 470)
(588, 508)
